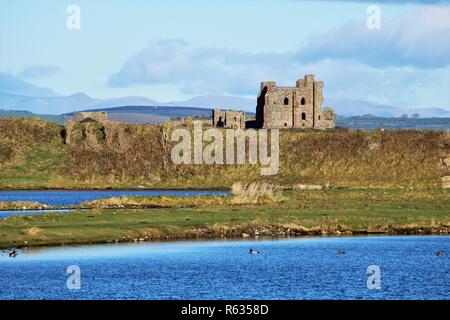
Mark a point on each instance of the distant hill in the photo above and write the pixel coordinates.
(217, 101)
(65, 104)
(155, 115)
(149, 114)
(13, 114)
(370, 122)
(348, 107)
(80, 101)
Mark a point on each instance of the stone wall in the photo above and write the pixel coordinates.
(293, 107)
(228, 119)
(81, 117)
(100, 117)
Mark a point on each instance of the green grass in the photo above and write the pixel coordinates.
(299, 212)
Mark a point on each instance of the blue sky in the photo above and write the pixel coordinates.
(176, 49)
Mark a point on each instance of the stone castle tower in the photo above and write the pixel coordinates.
(293, 107)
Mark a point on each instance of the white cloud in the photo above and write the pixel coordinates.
(405, 64)
(200, 69)
(420, 39)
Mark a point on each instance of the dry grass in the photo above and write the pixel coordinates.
(33, 231)
(33, 154)
(157, 202)
(22, 205)
(116, 152)
(254, 192)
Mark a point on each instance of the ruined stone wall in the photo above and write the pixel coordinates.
(101, 117)
(326, 119)
(284, 108)
(218, 118)
(304, 113)
(293, 107)
(79, 117)
(279, 108)
(228, 119)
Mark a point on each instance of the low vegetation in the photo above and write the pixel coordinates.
(23, 205)
(33, 154)
(253, 193)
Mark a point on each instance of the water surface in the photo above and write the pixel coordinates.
(9, 213)
(76, 197)
(306, 268)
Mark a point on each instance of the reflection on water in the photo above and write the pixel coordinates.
(306, 268)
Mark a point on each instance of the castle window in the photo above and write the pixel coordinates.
(302, 102)
(286, 101)
(319, 117)
(303, 116)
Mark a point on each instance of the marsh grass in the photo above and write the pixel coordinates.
(254, 192)
(23, 205)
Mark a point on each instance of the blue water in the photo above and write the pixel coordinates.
(5, 214)
(306, 268)
(64, 198)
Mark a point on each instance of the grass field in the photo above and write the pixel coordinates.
(294, 213)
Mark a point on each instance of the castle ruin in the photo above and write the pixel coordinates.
(285, 108)
(293, 107)
(229, 119)
(81, 117)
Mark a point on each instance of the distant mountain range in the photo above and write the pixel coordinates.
(81, 101)
(348, 108)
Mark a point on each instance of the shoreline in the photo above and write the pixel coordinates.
(231, 239)
(270, 214)
(276, 232)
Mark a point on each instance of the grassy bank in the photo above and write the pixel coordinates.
(295, 213)
(33, 154)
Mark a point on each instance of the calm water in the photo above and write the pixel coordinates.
(5, 214)
(307, 268)
(64, 198)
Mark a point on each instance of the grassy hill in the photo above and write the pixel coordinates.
(33, 155)
(13, 114)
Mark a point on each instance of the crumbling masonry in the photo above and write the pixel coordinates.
(228, 119)
(83, 117)
(284, 108)
(293, 107)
